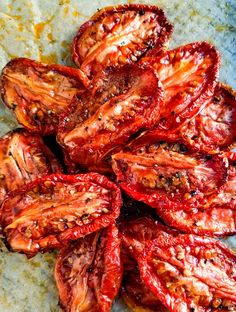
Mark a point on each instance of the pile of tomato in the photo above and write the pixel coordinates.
(146, 176)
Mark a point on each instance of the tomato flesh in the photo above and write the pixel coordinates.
(118, 35)
(51, 211)
(190, 273)
(167, 176)
(23, 157)
(88, 273)
(91, 142)
(189, 75)
(39, 93)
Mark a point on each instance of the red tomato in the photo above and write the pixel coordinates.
(88, 273)
(214, 128)
(190, 273)
(39, 93)
(91, 142)
(189, 76)
(169, 176)
(118, 35)
(23, 158)
(216, 217)
(51, 211)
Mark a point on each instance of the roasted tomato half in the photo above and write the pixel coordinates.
(190, 273)
(216, 217)
(39, 93)
(118, 35)
(23, 158)
(53, 210)
(214, 128)
(136, 233)
(91, 142)
(169, 176)
(137, 295)
(189, 76)
(88, 273)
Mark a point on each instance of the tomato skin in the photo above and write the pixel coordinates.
(24, 157)
(189, 75)
(88, 273)
(98, 45)
(186, 273)
(165, 177)
(38, 93)
(91, 143)
(53, 210)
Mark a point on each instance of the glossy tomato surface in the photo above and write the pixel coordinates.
(39, 93)
(51, 211)
(88, 273)
(24, 157)
(118, 35)
(190, 273)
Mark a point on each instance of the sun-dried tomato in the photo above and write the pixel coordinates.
(169, 176)
(51, 211)
(190, 273)
(136, 233)
(214, 128)
(91, 142)
(39, 93)
(118, 35)
(189, 75)
(23, 158)
(88, 273)
(216, 217)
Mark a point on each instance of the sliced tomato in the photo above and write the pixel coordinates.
(137, 295)
(23, 158)
(53, 210)
(216, 217)
(91, 142)
(214, 128)
(39, 93)
(118, 35)
(190, 273)
(169, 176)
(88, 273)
(189, 75)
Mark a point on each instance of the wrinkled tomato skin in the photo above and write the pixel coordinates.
(213, 129)
(38, 93)
(91, 143)
(97, 46)
(190, 273)
(56, 209)
(164, 176)
(189, 75)
(88, 273)
(24, 157)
